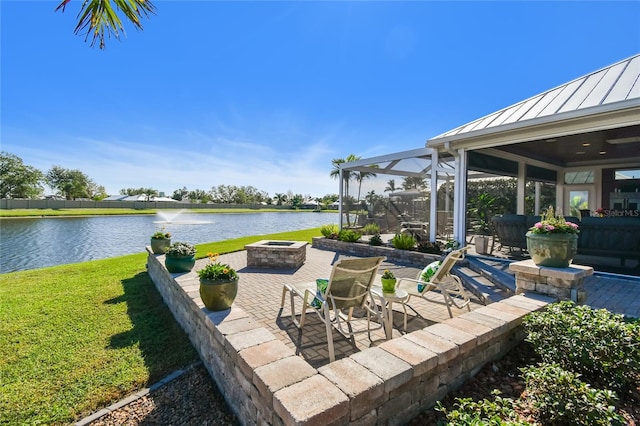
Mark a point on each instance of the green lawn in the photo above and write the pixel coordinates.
(77, 338)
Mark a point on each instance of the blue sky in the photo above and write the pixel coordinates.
(267, 93)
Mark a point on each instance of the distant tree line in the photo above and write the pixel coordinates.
(18, 180)
(232, 194)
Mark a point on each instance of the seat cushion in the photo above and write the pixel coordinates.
(321, 288)
(427, 273)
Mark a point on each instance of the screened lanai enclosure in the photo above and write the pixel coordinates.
(394, 192)
(575, 148)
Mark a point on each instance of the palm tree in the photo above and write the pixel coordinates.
(412, 182)
(346, 174)
(391, 186)
(97, 17)
(371, 196)
(360, 176)
(280, 198)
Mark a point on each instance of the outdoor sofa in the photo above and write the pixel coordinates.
(610, 237)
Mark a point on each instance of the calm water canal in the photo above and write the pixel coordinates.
(39, 242)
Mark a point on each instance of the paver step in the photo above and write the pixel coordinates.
(496, 271)
(479, 286)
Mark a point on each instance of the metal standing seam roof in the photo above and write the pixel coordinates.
(619, 82)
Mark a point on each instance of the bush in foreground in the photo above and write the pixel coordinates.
(570, 340)
(499, 412)
(599, 345)
(558, 397)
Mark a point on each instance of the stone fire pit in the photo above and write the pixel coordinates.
(276, 254)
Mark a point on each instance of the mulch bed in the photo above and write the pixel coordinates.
(191, 399)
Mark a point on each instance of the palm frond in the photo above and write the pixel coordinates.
(98, 18)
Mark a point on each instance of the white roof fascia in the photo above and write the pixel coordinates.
(602, 117)
(420, 152)
(362, 165)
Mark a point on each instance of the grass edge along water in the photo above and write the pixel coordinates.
(79, 337)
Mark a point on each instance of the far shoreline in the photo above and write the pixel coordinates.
(84, 212)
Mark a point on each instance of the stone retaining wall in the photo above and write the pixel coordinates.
(388, 384)
(404, 257)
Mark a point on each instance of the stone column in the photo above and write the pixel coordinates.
(561, 283)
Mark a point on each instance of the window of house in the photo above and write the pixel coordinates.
(579, 178)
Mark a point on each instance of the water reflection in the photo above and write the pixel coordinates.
(39, 242)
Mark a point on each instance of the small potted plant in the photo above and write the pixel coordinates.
(388, 281)
(218, 284)
(180, 257)
(160, 241)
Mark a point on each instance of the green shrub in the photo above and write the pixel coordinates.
(575, 342)
(371, 229)
(558, 397)
(599, 345)
(375, 240)
(403, 242)
(429, 247)
(329, 230)
(452, 244)
(499, 412)
(349, 235)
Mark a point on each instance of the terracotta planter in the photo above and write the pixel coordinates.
(554, 250)
(179, 264)
(388, 285)
(160, 245)
(218, 295)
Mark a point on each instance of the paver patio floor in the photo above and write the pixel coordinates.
(260, 293)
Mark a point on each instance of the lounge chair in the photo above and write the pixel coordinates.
(443, 281)
(347, 288)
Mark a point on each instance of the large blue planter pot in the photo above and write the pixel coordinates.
(554, 250)
(179, 264)
(218, 295)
